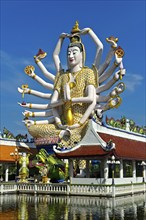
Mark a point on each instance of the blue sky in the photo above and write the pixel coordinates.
(27, 26)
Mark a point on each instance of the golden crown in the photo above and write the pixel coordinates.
(75, 30)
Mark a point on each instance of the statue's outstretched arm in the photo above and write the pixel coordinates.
(46, 73)
(98, 43)
(112, 103)
(37, 114)
(113, 41)
(34, 106)
(118, 75)
(28, 122)
(108, 73)
(29, 70)
(35, 93)
(115, 92)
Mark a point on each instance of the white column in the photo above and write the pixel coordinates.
(144, 173)
(121, 168)
(71, 167)
(134, 168)
(106, 169)
(6, 173)
(87, 169)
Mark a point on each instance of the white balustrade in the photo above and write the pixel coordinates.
(75, 189)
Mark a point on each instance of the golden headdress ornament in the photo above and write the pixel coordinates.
(75, 28)
(75, 33)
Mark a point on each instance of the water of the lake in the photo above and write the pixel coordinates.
(46, 207)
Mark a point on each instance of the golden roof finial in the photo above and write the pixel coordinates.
(75, 28)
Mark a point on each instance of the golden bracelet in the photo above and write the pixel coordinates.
(33, 115)
(30, 105)
(89, 30)
(114, 46)
(80, 123)
(116, 64)
(58, 123)
(34, 76)
(36, 59)
(29, 91)
(27, 115)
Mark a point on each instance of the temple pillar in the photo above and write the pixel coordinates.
(121, 168)
(71, 173)
(134, 168)
(144, 173)
(102, 169)
(87, 169)
(106, 169)
(6, 173)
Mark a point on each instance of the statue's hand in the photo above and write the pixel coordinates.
(63, 127)
(85, 31)
(29, 70)
(27, 114)
(28, 123)
(23, 104)
(64, 35)
(74, 126)
(118, 89)
(118, 59)
(26, 90)
(112, 41)
(119, 74)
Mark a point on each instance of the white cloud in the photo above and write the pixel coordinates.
(132, 81)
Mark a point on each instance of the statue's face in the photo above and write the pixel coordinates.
(74, 56)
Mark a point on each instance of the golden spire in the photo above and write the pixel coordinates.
(75, 28)
(75, 38)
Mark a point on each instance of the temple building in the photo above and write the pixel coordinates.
(107, 155)
(10, 151)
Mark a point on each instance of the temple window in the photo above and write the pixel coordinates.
(127, 168)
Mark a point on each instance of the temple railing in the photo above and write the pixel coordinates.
(43, 188)
(8, 188)
(73, 189)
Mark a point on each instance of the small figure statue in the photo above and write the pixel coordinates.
(76, 92)
(44, 172)
(24, 171)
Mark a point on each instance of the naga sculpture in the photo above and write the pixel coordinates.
(50, 167)
(77, 94)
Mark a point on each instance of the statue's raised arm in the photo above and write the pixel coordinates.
(99, 45)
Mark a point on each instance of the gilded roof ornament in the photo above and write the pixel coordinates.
(75, 28)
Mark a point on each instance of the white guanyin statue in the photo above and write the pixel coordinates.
(76, 92)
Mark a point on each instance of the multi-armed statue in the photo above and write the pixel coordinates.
(77, 92)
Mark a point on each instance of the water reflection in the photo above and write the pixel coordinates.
(46, 207)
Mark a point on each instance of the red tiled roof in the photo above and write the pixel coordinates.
(125, 149)
(85, 151)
